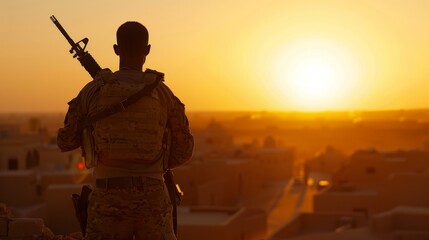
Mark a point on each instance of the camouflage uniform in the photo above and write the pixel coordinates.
(142, 210)
(118, 213)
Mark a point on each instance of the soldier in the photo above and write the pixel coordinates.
(134, 147)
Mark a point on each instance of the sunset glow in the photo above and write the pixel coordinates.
(316, 73)
(275, 56)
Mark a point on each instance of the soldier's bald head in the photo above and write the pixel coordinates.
(132, 38)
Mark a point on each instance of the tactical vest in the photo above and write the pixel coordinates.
(132, 137)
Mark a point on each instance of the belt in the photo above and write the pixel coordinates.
(125, 182)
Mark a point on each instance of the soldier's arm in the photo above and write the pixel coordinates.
(69, 137)
(182, 142)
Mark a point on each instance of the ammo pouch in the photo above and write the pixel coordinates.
(88, 146)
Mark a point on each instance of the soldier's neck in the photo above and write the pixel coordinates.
(132, 64)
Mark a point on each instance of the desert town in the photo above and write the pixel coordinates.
(252, 176)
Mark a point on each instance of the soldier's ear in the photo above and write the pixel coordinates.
(147, 50)
(116, 49)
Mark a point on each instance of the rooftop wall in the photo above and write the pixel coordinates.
(235, 224)
(21, 228)
(60, 212)
(370, 168)
(22, 192)
(346, 201)
(53, 159)
(64, 177)
(402, 223)
(310, 223)
(408, 189)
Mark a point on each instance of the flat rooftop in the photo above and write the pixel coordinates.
(205, 216)
(350, 189)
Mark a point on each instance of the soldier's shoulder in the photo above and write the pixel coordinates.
(89, 88)
(165, 91)
(173, 101)
(88, 94)
(90, 85)
(160, 75)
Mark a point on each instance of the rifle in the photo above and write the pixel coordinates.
(80, 202)
(87, 61)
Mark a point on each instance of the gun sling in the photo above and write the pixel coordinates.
(147, 89)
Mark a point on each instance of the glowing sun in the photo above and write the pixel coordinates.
(315, 74)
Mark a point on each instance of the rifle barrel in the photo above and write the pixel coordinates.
(75, 46)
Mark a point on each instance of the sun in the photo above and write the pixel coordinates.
(314, 74)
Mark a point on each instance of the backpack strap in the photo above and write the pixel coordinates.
(122, 105)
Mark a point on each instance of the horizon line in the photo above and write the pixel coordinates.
(251, 111)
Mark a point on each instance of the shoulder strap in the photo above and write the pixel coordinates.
(122, 105)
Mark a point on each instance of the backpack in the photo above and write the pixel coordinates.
(128, 129)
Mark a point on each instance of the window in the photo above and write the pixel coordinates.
(212, 200)
(32, 159)
(13, 164)
(370, 170)
(361, 210)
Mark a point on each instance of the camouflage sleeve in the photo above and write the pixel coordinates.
(182, 142)
(69, 137)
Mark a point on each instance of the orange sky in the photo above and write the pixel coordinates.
(228, 55)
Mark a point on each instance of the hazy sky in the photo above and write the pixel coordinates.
(226, 54)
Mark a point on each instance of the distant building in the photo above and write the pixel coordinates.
(215, 182)
(8, 130)
(44, 194)
(26, 152)
(214, 139)
(60, 215)
(275, 164)
(21, 228)
(308, 224)
(370, 168)
(375, 182)
(19, 188)
(55, 160)
(406, 223)
(402, 222)
(228, 181)
(346, 198)
(14, 152)
(404, 189)
(214, 223)
(328, 161)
